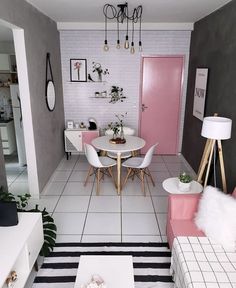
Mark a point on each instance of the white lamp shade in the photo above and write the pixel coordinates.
(218, 128)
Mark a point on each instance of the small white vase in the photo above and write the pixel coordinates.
(184, 187)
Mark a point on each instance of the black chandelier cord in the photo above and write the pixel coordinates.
(121, 13)
(132, 32)
(118, 33)
(140, 28)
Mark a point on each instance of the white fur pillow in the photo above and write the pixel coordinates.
(216, 217)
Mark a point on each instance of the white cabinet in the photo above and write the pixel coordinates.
(75, 139)
(8, 137)
(19, 247)
(7, 63)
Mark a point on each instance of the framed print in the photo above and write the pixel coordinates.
(200, 92)
(70, 124)
(78, 70)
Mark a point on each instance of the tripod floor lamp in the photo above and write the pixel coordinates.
(214, 129)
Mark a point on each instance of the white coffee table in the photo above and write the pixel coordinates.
(171, 186)
(116, 271)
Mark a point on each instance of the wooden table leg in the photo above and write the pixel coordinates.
(118, 173)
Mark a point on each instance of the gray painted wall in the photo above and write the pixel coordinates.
(41, 36)
(3, 181)
(213, 45)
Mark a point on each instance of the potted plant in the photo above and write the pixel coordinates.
(184, 182)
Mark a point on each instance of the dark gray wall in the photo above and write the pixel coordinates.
(41, 36)
(3, 180)
(213, 46)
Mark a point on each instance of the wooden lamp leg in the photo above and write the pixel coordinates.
(222, 167)
(204, 160)
(209, 162)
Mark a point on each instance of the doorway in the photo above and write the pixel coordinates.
(11, 125)
(160, 102)
(23, 93)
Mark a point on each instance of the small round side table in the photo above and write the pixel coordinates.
(171, 186)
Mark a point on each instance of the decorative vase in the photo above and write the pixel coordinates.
(184, 187)
(121, 133)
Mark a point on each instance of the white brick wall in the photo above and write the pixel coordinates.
(124, 71)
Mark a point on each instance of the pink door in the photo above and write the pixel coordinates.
(161, 90)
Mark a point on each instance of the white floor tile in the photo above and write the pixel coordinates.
(133, 188)
(60, 176)
(54, 188)
(45, 201)
(66, 165)
(78, 188)
(73, 204)
(82, 158)
(172, 158)
(179, 167)
(19, 188)
(104, 204)
(157, 158)
(103, 223)
(82, 166)
(157, 190)
(69, 223)
(160, 204)
(141, 238)
(155, 166)
(23, 177)
(101, 238)
(12, 175)
(164, 238)
(137, 204)
(106, 188)
(160, 176)
(68, 238)
(162, 218)
(80, 176)
(139, 224)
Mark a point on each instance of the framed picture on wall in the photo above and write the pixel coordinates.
(78, 70)
(200, 92)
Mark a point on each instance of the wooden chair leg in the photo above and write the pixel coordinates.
(87, 177)
(142, 181)
(127, 176)
(150, 175)
(112, 176)
(98, 181)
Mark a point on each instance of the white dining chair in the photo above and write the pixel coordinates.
(127, 131)
(98, 165)
(138, 166)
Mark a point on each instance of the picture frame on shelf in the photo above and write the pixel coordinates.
(70, 124)
(200, 92)
(78, 70)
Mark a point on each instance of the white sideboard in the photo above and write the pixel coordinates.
(19, 247)
(75, 139)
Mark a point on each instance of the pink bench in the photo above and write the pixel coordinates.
(180, 217)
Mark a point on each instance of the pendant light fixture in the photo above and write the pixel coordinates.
(121, 14)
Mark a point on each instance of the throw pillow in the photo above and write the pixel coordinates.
(216, 217)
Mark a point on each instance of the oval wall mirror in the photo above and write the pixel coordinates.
(50, 95)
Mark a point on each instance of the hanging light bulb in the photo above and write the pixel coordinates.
(105, 47)
(126, 45)
(132, 50)
(140, 46)
(118, 44)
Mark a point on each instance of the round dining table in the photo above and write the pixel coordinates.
(132, 143)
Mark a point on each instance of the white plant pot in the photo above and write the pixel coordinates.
(184, 187)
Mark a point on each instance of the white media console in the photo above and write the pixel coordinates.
(19, 247)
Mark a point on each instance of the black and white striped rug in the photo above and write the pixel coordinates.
(151, 262)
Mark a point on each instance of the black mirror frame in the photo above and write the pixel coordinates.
(48, 100)
(49, 79)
